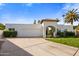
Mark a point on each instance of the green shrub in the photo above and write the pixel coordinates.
(2, 26)
(69, 34)
(9, 33)
(11, 29)
(60, 34)
(65, 34)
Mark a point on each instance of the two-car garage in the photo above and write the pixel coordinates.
(27, 30)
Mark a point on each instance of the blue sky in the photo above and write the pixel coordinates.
(28, 12)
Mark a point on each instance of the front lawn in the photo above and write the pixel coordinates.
(67, 41)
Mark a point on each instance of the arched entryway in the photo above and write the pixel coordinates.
(50, 31)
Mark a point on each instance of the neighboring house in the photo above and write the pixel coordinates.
(38, 30)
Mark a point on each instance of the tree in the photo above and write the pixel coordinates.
(71, 16)
(34, 22)
(2, 26)
(39, 21)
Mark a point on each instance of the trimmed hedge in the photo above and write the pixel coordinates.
(65, 34)
(60, 34)
(69, 34)
(9, 33)
(11, 29)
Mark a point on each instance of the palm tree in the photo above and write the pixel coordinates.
(71, 16)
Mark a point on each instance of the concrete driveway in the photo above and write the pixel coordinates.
(34, 47)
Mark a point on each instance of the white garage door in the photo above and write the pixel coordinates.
(29, 33)
(27, 30)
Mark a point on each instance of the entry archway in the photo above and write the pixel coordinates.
(50, 31)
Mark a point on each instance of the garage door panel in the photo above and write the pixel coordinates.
(29, 33)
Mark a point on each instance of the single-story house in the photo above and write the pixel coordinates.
(38, 30)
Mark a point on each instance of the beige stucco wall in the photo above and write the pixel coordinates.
(46, 24)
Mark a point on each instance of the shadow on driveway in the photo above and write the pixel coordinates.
(9, 49)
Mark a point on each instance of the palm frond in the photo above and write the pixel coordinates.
(71, 16)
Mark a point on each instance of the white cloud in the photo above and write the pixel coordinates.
(66, 6)
(7, 18)
(70, 6)
(29, 4)
(1, 5)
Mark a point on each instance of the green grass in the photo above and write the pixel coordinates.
(67, 41)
